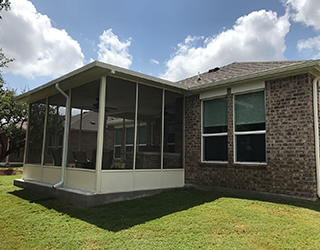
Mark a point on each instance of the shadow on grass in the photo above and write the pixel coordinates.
(123, 215)
(126, 214)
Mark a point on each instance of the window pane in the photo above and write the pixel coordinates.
(251, 148)
(250, 111)
(215, 148)
(215, 115)
(36, 127)
(173, 125)
(143, 135)
(150, 113)
(84, 122)
(117, 153)
(130, 135)
(118, 137)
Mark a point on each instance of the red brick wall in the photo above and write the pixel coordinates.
(290, 165)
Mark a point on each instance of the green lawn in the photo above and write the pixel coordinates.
(179, 219)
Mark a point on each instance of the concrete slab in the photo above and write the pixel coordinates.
(81, 198)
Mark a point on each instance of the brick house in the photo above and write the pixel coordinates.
(250, 126)
(273, 149)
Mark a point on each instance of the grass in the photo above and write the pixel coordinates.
(178, 219)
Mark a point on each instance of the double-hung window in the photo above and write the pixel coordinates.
(250, 127)
(142, 139)
(215, 130)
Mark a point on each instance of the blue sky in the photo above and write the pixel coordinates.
(167, 39)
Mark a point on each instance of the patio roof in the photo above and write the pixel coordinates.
(94, 71)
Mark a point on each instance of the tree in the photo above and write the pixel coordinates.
(3, 64)
(13, 115)
(4, 4)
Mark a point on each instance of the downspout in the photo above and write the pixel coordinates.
(316, 131)
(65, 134)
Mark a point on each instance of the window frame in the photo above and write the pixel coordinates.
(127, 145)
(203, 135)
(252, 132)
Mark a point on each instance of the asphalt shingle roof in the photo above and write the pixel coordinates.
(236, 69)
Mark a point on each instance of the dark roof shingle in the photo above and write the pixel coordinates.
(236, 69)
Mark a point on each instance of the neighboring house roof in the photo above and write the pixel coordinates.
(89, 121)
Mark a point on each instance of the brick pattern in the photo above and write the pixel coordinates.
(290, 168)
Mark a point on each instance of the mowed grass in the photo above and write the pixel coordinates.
(178, 219)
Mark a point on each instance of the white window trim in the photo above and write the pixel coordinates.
(235, 133)
(210, 135)
(126, 145)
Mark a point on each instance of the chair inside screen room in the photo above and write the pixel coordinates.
(81, 160)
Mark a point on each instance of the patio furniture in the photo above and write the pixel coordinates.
(107, 158)
(81, 160)
(57, 156)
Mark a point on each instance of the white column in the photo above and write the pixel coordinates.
(44, 136)
(183, 137)
(102, 104)
(135, 138)
(162, 136)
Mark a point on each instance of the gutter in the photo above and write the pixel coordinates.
(316, 131)
(65, 135)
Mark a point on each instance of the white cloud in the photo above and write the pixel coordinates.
(153, 61)
(305, 11)
(37, 47)
(113, 51)
(257, 36)
(310, 46)
(308, 13)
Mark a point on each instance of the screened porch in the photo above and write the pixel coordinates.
(107, 134)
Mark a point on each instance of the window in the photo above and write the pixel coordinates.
(117, 144)
(142, 133)
(249, 127)
(215, 130)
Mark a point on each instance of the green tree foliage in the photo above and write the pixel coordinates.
(4, 5)
(3, 63)
(13, 116)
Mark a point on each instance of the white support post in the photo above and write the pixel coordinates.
(101, 123)
(123, 141)
(135, 137)
(44, 137)
(80, 130)
(183, 137)
(162, 135)
(162, 127)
